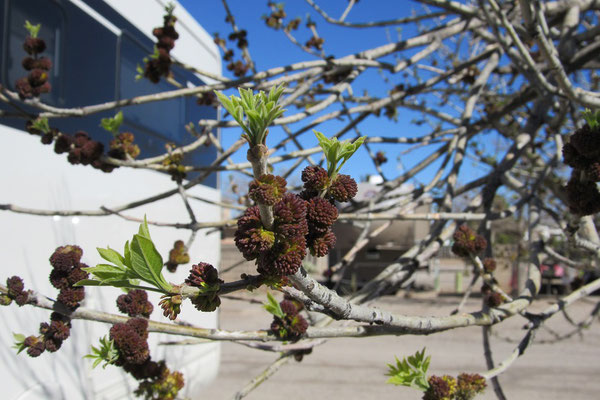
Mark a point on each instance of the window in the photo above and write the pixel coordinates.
(51, 17)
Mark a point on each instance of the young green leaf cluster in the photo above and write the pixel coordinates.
(253, 112)
(410, 372)
(106, 352)
(336, 152)
(33, 30)
(592, 118)
(287, 322)
(140, 262)
(112, 124)
(273, 307)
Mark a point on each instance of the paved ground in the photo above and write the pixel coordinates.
(355, 368)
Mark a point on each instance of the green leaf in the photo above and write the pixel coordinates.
(147, 262)
(410, 372)
(19, 342)
(109, 282)
(127, 254)
(107, 271)
(260, 111)
(273, 306)
(144, 231)
(41, 124)
(140, 72)
(32, 29)
(112, 256)
(592, 118)
(112, 124)
(107, 352)
(336, 152)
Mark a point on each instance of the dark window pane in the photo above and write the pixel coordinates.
(51, 18)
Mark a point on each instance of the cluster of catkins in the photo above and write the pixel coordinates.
(316, 42)
(239, 67)
(177, 256)
(380, 158)
(67, 270)
(15, 291)
(205, 276)
(293, 325)
(122, 146)
(135, 303)
(156, 380)
(36, 82)
(582, 153)
(467, 242)
(161, 64)
(82, 149)
(175, 168)
(275, 19)
(464, 387)
(301, 221)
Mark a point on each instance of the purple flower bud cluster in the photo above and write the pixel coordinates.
(130, 341)
(440, 388)
(67, 270)
(135, 303)
(343, 188)
(36, 82)
(163, 386)
(280, 251)
(292, 326)
(582, 153)
(315, 178)
(161, 64)
(16, 292)
(56, 332)
(321, 212)
(82, 149)
(300, 221)
(321, 215)
(156, 381)
(493, 299)
(289, 247)
(469, 385)
(171, 305)
(268, 189)
(177, 256)
(251, 238)
(47, 137)
(122, 146)
(380, 158)
(467, 242)
(464, 387)
(204, 275)
(583, 197)
(489, 265)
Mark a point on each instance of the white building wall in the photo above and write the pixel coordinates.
(34, 176)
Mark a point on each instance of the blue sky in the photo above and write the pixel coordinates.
(270, 48)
